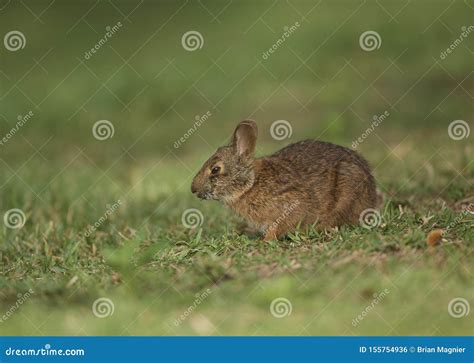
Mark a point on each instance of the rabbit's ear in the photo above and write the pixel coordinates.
(245, 138)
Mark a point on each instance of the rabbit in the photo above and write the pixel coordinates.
(306, 183)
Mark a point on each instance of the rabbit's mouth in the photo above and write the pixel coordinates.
(206, 196)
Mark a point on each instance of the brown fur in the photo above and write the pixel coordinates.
(309, 182)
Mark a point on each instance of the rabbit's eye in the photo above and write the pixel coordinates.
(215, 170)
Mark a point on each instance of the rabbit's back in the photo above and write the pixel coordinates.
(334, 183)
(318, 156)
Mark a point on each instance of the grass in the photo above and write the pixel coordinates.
(164, 278)
(151, 266)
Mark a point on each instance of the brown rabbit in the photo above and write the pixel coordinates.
(309, 182)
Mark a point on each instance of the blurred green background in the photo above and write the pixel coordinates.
(151, 89)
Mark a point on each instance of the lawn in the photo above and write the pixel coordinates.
(102, 244)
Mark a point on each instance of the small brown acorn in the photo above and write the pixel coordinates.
(434, 237)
